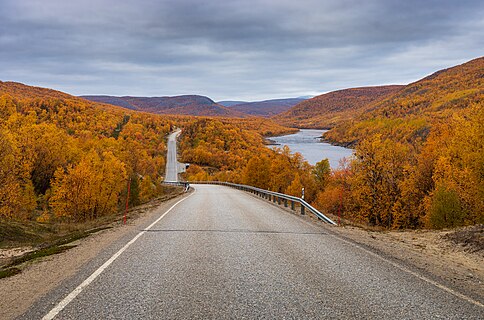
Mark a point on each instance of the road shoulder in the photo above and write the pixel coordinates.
(429, 252)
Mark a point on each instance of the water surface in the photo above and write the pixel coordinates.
(307, 142)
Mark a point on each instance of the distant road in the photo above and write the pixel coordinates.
(222, 253)
(171, 173)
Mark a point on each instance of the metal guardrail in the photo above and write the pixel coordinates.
(276, 197)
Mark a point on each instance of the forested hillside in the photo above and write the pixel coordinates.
(63, 156)
(410, 113)
(21, 91)
(115, 101)
(327, 110)
(229, 151)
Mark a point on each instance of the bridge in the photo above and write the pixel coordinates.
(225, 252)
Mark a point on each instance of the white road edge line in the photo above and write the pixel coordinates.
(415, 274)
(71, 296)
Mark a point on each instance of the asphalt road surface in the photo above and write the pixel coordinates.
(221, 253)
(172, 165)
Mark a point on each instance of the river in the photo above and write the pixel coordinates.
(307, 142)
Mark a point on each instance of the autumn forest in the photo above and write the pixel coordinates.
(418, 160)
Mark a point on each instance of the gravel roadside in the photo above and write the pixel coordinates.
(432, 252)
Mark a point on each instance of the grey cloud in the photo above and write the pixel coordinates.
(232, 49)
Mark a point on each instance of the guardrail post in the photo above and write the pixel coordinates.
(292, 205)
(302, 209)
(274, 199)
(285, 203)
(279, 200)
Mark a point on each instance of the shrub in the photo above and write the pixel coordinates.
(445, 209)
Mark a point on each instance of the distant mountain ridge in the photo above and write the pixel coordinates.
(265, 108)
(194, 105)
(326, 110)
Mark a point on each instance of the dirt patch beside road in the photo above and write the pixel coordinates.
(471, 239)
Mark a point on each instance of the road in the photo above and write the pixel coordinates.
(172, 165)
(221, 253)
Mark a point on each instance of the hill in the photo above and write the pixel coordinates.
(448, 89)
(51, 141)
(411, 112)
(266, 108)
(418, 154)
(182, 105)
(326, 110)
(22, 91)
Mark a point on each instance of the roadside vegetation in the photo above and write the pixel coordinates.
(22, 241)
(68, 158)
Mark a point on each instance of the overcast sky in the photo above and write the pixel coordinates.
(236, 50)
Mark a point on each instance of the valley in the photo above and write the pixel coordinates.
(385, 125)
(70, 165)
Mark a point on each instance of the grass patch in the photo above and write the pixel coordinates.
(4, 273)
(57, 247)
(79, 235)
(60, 246)
(20, 233)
